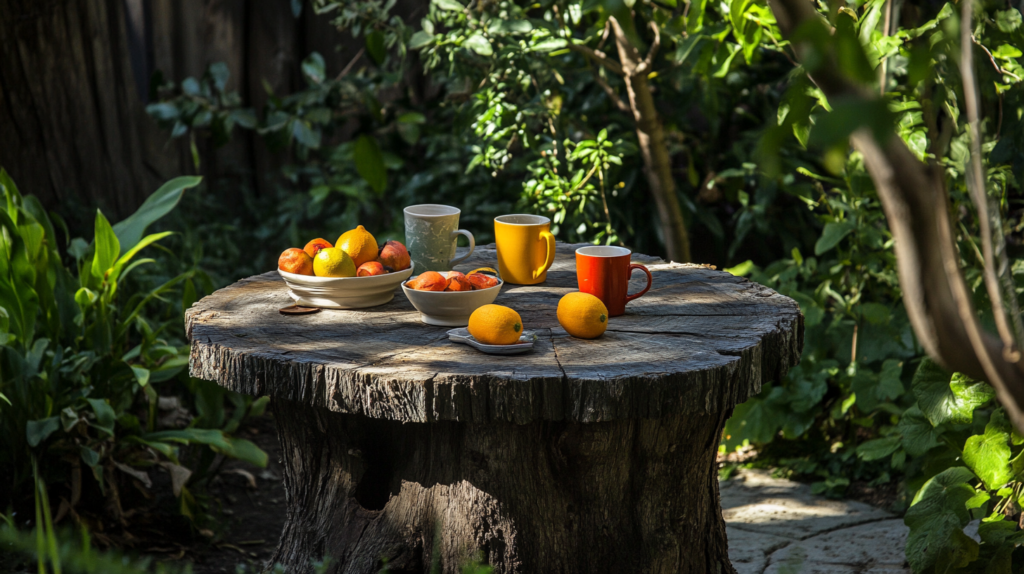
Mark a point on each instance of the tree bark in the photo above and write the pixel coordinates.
(916, 203)
(622, 496)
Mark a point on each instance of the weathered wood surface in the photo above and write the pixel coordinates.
(626, 496)
(700, 341)
(402, 448)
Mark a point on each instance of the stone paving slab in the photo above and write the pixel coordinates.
(778, 526)
(749, 551)
(757, 502)
(877, 545)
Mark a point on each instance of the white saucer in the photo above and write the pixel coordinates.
(525, 343)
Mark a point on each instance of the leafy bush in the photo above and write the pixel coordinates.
(528, 114)
(81, 357)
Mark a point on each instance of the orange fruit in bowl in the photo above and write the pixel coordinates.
(582, 315)
(295, 260)
(495, 325)
(333, 262)
(316, 245)
(359, 244)
(428, 281)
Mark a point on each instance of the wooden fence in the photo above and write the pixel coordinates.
(74, 77)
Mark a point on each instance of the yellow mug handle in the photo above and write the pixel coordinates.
(550, 258)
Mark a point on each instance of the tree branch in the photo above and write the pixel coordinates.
(992, 59)
(916, 204)
(352, 62)
(610, 91)
(976, 182)
(649, 60)
(597, 56)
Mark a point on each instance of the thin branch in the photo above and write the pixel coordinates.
(352, 62)
(604, 34)
(992, 59)
(597, 56)
(886, 27)
(604, 201)
(585, 179)
(976, 183)
(649, 60)
(614, 97)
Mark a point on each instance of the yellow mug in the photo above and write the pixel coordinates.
(526, 248)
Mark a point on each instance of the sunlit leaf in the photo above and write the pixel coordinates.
(940, 401)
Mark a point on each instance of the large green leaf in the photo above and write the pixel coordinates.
(919, 436)
(306, 134)
(37, 431)
(233, 447)
(479, 44)
(375, 46)
(878, 448)
(420, 39)
(130, 230)
(370, 163)
(936, 519)
(124, 259)
(448, 5)
(105, 415)
(849, 51)
(108, 247)
(942, 402)
(988, 455)
(971, 391)
(833, 233)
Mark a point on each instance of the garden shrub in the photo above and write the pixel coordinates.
(769, 185)
(84, 351)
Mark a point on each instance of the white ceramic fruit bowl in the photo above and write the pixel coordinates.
(344, 292)
(450, 308)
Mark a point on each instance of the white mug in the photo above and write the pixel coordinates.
(431, 234)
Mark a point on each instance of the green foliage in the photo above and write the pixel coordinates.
(769, 185)
(83, 352)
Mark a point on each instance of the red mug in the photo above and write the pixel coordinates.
(604, 271)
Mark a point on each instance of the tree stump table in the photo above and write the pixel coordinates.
(581, 456)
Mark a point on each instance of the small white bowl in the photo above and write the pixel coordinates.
(344, 292)
(450, 308)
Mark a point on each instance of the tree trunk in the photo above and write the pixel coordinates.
(651, 138)
(621, 496)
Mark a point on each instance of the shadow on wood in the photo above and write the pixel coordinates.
(620, 496)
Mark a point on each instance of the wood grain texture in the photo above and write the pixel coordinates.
(626, 496)
(700, 341)
(71, 123)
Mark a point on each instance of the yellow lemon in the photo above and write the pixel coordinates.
(582, 315)
(495, 325)
(333, 262)
(359, 244)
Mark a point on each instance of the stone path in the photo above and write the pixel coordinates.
(777, 526)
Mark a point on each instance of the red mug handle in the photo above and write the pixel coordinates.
(650, 280)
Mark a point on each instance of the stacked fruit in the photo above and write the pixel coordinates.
(355, 254)
(456, 281)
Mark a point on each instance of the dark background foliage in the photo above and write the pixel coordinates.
(368, 106)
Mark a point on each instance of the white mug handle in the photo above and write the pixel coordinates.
(472, 246)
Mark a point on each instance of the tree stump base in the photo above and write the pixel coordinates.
(620, 496)
(580, 456)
